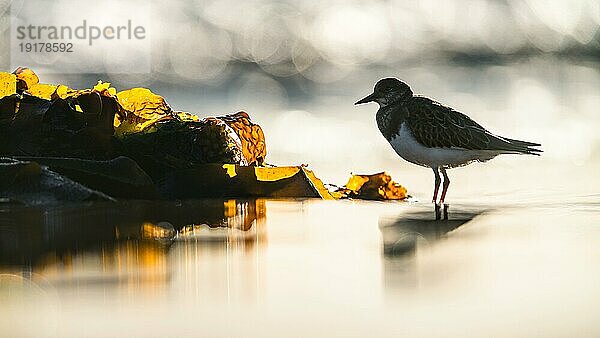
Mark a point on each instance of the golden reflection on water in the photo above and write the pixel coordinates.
(343, 268)
(130, 253)
(223, 264)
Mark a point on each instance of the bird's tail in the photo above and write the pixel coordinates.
(524, 147)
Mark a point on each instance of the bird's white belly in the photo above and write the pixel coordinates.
(409, 149)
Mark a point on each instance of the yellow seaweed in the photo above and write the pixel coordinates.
(8, 84)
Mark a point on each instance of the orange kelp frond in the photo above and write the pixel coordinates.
(378, 186)
(250, 134)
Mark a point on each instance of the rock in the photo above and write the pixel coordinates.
(31, 184)
(174, 145)
(78, 126)
(228, 181)
(120, 177)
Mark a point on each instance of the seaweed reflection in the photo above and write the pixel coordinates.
(129, 242)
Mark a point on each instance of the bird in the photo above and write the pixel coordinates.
(430, 134)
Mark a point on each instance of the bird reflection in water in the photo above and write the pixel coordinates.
(404, 236)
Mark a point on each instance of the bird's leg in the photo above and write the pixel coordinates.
(436, 188)
(446, 184)
(446, 212)
(436, 183)
(444, 190)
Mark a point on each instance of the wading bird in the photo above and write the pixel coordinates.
(429, 134)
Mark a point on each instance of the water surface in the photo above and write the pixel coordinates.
(301, 268)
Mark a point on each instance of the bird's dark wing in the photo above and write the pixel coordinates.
(435, 125)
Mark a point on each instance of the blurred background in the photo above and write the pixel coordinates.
(525, 69)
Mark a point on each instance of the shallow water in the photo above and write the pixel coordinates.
(301, 268)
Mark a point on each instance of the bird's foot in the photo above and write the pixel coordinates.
(446, 206)
(441, 211)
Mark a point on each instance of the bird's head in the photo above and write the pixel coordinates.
(387, 91)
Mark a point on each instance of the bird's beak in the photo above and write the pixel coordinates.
(369, 98)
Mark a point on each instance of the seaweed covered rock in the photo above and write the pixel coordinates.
(132, 144)
(79, 124)
(29, 183)
(45, 120)
(250, 135)
(174, 145)
(228, 181)
(163, 139)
